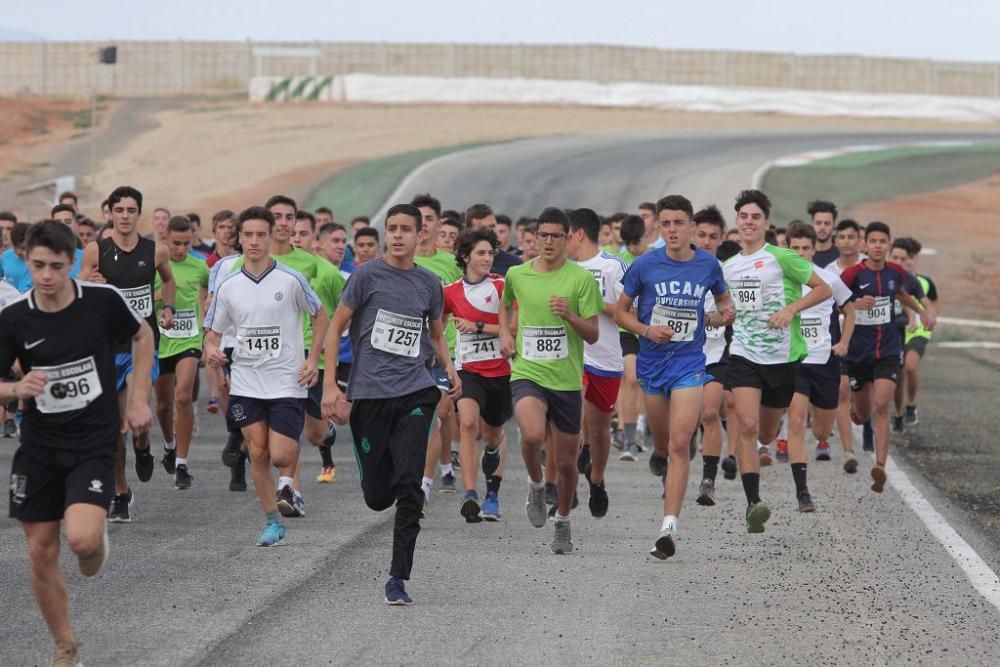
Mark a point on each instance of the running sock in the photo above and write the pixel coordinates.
(284, 481)
(799, 475)
(181, 462)
(536, 485)
(324, 453)
(446, 469)
(273, 517)
(668, 521)
(493, 483)
(170, 445)
(760, 444)
(630, 433)
(751, 486)
(426, 484)
(710, 467)
(560, 517)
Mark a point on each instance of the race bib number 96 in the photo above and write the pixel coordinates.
(139, 299)
(69, 386)
(397, 334)
(544, 343)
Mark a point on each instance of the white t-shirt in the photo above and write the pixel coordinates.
(265, 314)
(605, 356)
(223, 268)
(8, 294)
(815, 321)
(715, 337)
(835, 268)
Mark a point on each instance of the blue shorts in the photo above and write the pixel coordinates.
(440, 376)
(283, 415)
(123, 368)
(665, 386)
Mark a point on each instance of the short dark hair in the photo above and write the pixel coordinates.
(877, 226)
(822, 206)
(221, 216)
(617, 217)
(554, 216)
(770, 237)
(632, 230)
(179, 223)
(162, 208)
(675, 203)
(330, 228)
(711, 215)
(254, 213)
(452, 215)
(453, 222)
(194, 218)
(19, 232)
(360, 218)
(587, 220)
(123, 191)
(800, 230)
(104, 203)
(324, 209)
(908, 244)
(477, 212)
(8, 216)
(427, 201)
(649, 206)
(302, 214)
(524, 221)
(280, 199)
(50, 234)
(847, 223)
(728, 249)
(86, 222)
(69, 194)
(405, 209)
(781, 230)
(467, 241)
(366, 231)
(504, 220)
(60, 208)
(754, 197)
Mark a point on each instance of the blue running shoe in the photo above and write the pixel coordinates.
(273, 535)
(491, 507)
(395, 593)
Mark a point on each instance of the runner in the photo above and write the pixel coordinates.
(647, 211)
(669, 287)
(13, 266)
(824, 216)
(558, 304)
(817, 383)
(365, 245)
(264, 303)
(448, 234)
(874, 353)
(630, 401)
(86, 231)
(161, 217)
(7, 222)
(131, 263)
(766, 286)
(391, 396)
(223, 229)
(64, 334)
(480, 216)
(180, 352)
(602, 360)
(484, 405)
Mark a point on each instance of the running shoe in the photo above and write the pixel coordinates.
(395, 593)
(534, 506)
(470, 507)
(781, 450)
(213, 406)
(10, 429)
(764, 453)
(273, 535)
(326, 475)
(806, 502)
(67, 654)
(598, 502)
(706, 493)
(121, 504)
(286, 501)
(878, 478)
(491, 507)
(822, 450)
(562, 542)
(299, 504)
(867, 437)
(456, 463)
(490, 461)
(182, 479)
(583, 459)
(757, 516)
(730, 467)
(666, 544)
(896, 426)
(910, 417)
(551, 493)
(448, 483)
(145, 463)
(169, 460)
(630, 453)
(92, 564)
(231, 452)
(850, 463)
(618, 439)
(238, 477)
(657, 464)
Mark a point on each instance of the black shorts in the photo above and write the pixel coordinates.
(775, 381)
(492, 395)
(283, 415)
(45, 481)
(314, 400)
(821, 383)
(168, 365)
(343, 375)
(629, 342)
(564, 408)
(718, 372)
(918, 344)
(860, 374)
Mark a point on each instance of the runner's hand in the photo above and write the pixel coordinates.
(96, 277)
(506, 345)
(659, 334)
(335, 407)
(865, 302)
(559, 306)
(308, 374)
(839, 350)
(30, 385)
(465, 326)
(456, 385)
(780, 319)
(140, 417)
(928, 320)
(216, 357)
(166, 318)
(728, 315)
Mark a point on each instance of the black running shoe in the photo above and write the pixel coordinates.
(10, 429)
(145, 463)
(706, 493)
(896, 427)
(867, 437)
(583, 459)
(238, 477)
(551, 494)
(490, 461)
(657, 464)
(470, 507)
(182, 480)
(231, 452)
(286, 501)
(911, 416)
(456, 462)
(169, 460)
(806, 502)
(120, 506)
(730, 467)
(598, 500)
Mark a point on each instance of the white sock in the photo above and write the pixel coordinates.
(170, 445)
(560, 517)
(760, 444)
(446, 469)
(181, 462)
(284, 481)
(669, 521)
(426, 483)
(536, 485)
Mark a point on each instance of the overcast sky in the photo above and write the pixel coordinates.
(949, 30)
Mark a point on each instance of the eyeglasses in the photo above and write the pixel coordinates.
(554, 236)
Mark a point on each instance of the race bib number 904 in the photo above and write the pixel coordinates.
(544, 343)
(258, 343)
(747, 294)
(69, 387)
(880, 313)
(397, 334)
(139, 299)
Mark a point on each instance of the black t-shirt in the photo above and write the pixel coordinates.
(502, 261)
(823, 258)
(75, 347)
(134, 274)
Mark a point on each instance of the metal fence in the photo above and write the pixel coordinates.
(179, 67)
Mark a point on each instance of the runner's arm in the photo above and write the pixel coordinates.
(88, 265)
(507, 325)
(331, 342)
(850, 315)
(168, 288)
(320, 324)
(142, 362)
(818, 293)
(725, 311)
(927, 317)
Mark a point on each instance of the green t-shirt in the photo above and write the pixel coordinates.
(548, 351)
(190, 276)
(442, 264)
(328, 285)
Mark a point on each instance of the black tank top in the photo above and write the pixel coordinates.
(133, 273)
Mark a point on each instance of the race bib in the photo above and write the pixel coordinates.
(599, 277)
(544, 343)
(747, 294)
(714, 333)
(812, 330)
(880, 313)
(139, 299)
(683, 321)
(397, 334)
(478, 347)
(185, 325)
(258, 344)
(69, 387)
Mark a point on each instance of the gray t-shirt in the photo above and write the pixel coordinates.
(390, 331)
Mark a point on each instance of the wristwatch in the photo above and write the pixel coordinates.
(479, 326)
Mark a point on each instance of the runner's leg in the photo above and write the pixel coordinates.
(47, 579)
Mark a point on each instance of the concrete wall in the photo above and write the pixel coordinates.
(174, 68)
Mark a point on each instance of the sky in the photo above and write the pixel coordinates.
(955, 30)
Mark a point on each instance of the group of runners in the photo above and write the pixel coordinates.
(439, 328)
